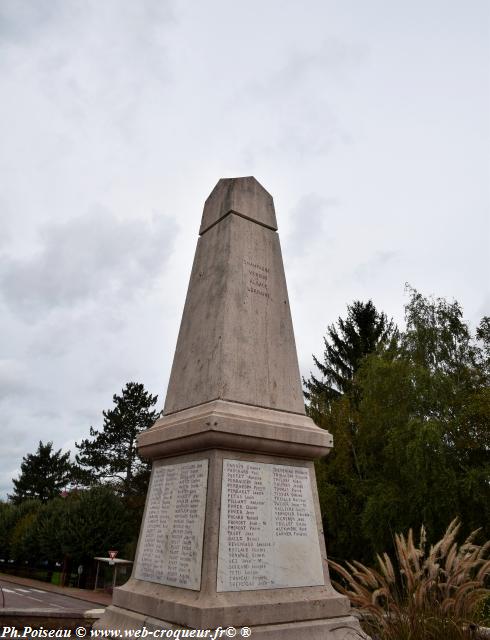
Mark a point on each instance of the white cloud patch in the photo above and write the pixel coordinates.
(374, 267)
(13, 379)
(310, 220)
(84, 259)
(5, 232)
(332, 60)
(301, 117)
(21, 20)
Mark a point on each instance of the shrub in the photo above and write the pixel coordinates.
(430, 596)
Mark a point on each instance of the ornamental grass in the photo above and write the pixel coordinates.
(437, 594)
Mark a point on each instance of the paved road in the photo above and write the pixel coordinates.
(20, 597)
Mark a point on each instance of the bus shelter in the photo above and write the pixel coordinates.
(115, 563)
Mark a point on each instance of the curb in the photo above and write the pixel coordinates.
(102, 599)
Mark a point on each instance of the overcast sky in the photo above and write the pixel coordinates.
(367, 121)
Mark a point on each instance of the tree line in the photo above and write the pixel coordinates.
(108, 457)
(409, 410)
(63, 513)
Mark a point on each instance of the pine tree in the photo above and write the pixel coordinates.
(111, 454)
(43, 474)
(345, 346)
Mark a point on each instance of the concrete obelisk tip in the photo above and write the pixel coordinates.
(245, 197)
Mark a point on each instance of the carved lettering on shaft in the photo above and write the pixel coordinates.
(257, 278)
(268, 534)
(171, 541)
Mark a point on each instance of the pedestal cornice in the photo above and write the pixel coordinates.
(221, 424)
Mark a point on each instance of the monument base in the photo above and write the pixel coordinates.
(340, 628)
(269, 575)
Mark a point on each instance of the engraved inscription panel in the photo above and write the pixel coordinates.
(257, 278)
(170, 549)
(268, 536)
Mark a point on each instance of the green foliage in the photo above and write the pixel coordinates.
(24, 543)
(483, 612)
(427, 594)
(345, 346)
(18, 524)
(95, 521)
(411, 435)
(8, 513)
(111, 453)
(81, 526)
(43, 474)
(41, 524)
(51, 529)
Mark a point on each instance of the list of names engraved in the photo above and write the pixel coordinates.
(268, 537)
(170, 550)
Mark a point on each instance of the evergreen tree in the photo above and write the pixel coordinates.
(43, 474)
(111, 454)
(345, 346)
(420, 452)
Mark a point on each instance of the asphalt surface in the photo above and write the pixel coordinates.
(18, 596)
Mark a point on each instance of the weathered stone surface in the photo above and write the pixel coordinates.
(268, 531)
(230, 425)
(170, 548)
(236, 338)
(245, 197)
(335, 628)
(209, 607)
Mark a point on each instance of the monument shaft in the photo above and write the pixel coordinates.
(231, 534)
(236, 340)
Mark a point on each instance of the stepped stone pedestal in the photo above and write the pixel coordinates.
(231, 534)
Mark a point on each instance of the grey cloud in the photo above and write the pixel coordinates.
(329, 60)
(6, 478)
(85, 258)
(484, 307)
(309, 216)
(374, 266)
(300, 119)
(20, 19)
(13, 379)
(24, 20)
(5, 227)
(13, 448)
(332, 58)
(303, 129)
(311, 135)
(91, 61)
(47, 414)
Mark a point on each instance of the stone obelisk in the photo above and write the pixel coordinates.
(231, 535)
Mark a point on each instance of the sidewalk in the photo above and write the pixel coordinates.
(96, 597)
